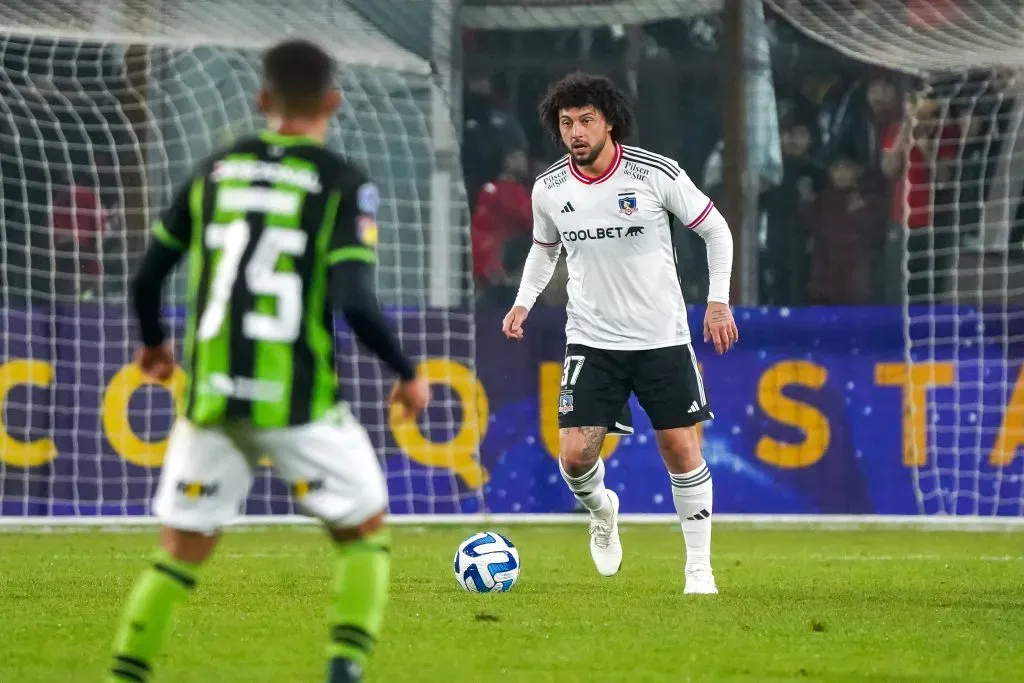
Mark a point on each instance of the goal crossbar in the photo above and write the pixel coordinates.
(224, 24)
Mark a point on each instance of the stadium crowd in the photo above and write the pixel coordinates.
(878, 173)
(866, 153)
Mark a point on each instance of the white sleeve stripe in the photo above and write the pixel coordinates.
(703, 214)
(557, 166)
(653, 155)
(663, 166)
(546, 244)
(696, 373)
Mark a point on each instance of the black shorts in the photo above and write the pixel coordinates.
(596, 385)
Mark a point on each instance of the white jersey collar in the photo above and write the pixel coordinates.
(612, 167)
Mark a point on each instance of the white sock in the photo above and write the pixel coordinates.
(692, 494)
(589, 487)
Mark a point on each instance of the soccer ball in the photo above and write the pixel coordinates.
(487, 562)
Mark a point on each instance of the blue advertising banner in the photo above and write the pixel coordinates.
(817, 410)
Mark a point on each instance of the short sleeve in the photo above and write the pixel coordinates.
(174, 227)
(545, 232)
(682, 198)
(354, 237)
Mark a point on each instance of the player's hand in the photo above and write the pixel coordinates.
(719, 326)
(512, 326)
(156, 361)
(412, 395)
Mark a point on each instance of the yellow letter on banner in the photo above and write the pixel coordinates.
(115, 414)
(795, 413)
(458, 454)
(915, 385)
(15, 452)
(1011, 432)
(550, 385)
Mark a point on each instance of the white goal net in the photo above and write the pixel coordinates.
(106, 107)
(959, 163)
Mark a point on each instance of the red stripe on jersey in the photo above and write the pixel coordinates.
(546, 244)
(703, 214)
(612, 167)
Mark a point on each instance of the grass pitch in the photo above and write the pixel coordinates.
(796, 604)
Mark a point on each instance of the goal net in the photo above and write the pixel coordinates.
(107, 106)
(961, 155)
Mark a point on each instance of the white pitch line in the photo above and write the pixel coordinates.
(721, 557)
(876, 558)
(915, 522)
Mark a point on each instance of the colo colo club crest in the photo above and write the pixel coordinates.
(627, 203)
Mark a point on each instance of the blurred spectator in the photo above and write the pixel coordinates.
(489, 134)
(839, 119)
(995, 135)
(785, 258)
(974, 106)
(85, 243)
(503, 210)
(794, 107)
(108, 184)
(931, 15)
(856, 117)
(919, 156)
(78, 224)
(501, 292)
(847, 220)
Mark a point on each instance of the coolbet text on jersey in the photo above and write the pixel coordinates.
(617, 236)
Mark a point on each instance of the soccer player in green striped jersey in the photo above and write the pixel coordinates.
(278, 232)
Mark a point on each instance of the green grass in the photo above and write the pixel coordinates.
(796, 604)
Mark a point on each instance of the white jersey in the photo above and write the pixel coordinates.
(624, 292)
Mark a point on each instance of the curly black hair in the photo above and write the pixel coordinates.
(580, 90)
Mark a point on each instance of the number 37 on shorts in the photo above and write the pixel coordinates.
(596, 385)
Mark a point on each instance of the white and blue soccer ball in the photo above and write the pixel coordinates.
(487, 562)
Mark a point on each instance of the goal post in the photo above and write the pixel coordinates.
(962, 229)
(106, 109)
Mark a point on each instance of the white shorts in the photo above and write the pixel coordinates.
(332, 470)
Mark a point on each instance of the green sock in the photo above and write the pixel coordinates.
(147, 617)
(360, 595)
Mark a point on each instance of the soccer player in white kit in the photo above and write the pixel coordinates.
(608, 205)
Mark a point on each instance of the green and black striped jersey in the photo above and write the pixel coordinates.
(262, 224)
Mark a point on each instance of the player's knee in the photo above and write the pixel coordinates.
(680, 448)
(347, 534)
(576, 455)
(351, 518)
(187, 546)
